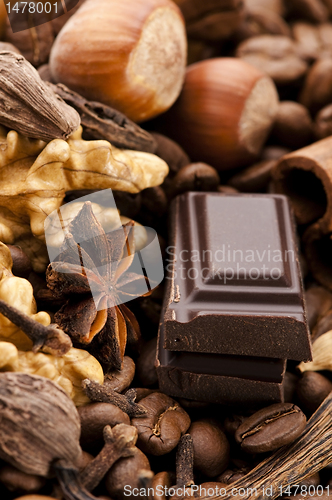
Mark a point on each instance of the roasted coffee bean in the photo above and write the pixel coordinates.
(232, 422)
(195, 177)
(274, 152)
(20, 482)
(45, 73)
(319, 302)
(312, 389)
(271, 428)
(323, 325)
(160, 430)
(128, 204)
(171, 153)
(211, 447)
(21, 262)
(275, 55)
(154, 200)
(313, 10)
(142, 392)
(323, 123)
(119, 380)
(230, 476)
(261, 21)
(254, 178)
(317, 88)
(308, 41)
(223, 188)
(161, 481)
(94, 417)
(126, 472)
(145, 365)
(293, 126)
(289, 386)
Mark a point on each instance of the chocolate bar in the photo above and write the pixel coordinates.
(234, 310)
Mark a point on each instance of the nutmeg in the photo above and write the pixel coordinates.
(224, 113)
(130, 55)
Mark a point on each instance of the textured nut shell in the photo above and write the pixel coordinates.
(39, 423)
(133, 56)
(224, 112)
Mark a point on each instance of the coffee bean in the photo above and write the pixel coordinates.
(170, 152)
(312, 389)
(317, 88)
(323, 122)
(145, 366)
(271, 428)
(254, 178)
(195, 177)
(94, 417)
(293, 126)
(160, 430)
(211, 447)
(125, 472)
(21, 262)
(275, 55)
(318, 301)
(232, 423)
(323, 325)
(18, 481)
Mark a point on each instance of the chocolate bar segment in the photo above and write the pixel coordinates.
(234, 285)
(233, 310)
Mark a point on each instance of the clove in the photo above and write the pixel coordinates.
(185, 462)
(119, 442)
(102, 394)
(49, 338)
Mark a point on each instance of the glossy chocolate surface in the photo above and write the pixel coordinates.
(234, 285)
(233, 311)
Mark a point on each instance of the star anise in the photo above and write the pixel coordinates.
(92, 273)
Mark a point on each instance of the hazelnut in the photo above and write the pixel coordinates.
(133, 57)
(224, 113)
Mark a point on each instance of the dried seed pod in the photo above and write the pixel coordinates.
(28, 106)
(39, 423)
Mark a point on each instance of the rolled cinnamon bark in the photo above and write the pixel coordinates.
(306, 177)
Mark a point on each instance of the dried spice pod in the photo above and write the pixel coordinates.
(306, 177)
(28, 106)
(100, 121)
(39, 424)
